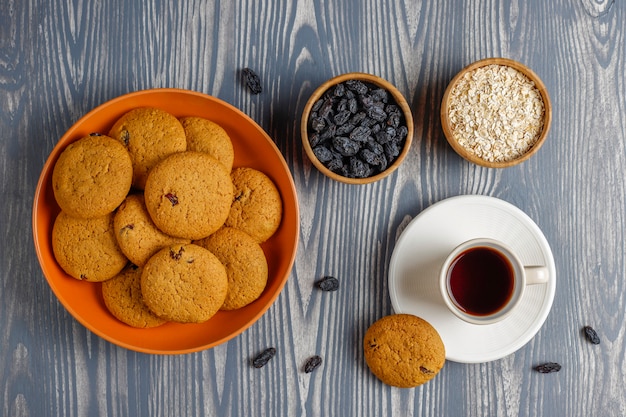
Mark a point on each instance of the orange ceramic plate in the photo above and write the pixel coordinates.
(253, 148)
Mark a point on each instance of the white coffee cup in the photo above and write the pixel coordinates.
(482, 280)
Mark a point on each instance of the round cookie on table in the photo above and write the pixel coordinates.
(150, 135)
(123, 298)
(92, 176)
(184, 283)
(86, 249)
(189, 195)
(136, 233)
(403, 350)
(257, 207)
(204, 135)
(245, 263)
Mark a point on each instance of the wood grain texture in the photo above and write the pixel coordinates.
(58, 60)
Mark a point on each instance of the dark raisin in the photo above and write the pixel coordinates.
(375, 147)
(126, 228)
(315, 139)
(264, 357)
(177, 255)
(368, 122)
(312, 364)
(367, 101)
(345, 146)
(323, 154)
(391, 150)
(548, 368)
(358, 118)
(384, 163)
(344, 129)
(328, 284)
(340, 90)
(370, 157)
(353, 105)
(327, 108)
(318, 124)
(359, 169)
(377, 113)
(173, 199)
(380, 94)
(125, 137)
(393, 120)
(335, 164)
(385, 135)
(402, 132)
(342, 117)
(392, 108)
(357, 86)
(252, 80)
(360, 134)
(83, 277)
(328, 133)
(317, 105)
(342, 105)
(426, 371)
(591, 335)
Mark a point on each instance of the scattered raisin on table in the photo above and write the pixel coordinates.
(312, 364)
(264, 357)
(591, 335)
(252, 80)
(548, 368)
(328, 284)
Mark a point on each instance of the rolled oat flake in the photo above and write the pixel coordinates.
(496, 112)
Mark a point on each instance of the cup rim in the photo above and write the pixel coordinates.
(519, 285)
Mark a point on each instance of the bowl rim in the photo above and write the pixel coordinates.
(543, 91)
(361, 76)
(71, 135)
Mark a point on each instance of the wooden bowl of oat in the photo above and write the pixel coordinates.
(496, 113)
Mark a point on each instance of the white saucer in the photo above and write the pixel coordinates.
(424, 244)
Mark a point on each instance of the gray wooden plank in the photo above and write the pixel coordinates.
(59, 60)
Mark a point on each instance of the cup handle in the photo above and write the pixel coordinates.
(536, 275)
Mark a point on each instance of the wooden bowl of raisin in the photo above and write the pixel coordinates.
(357, 128)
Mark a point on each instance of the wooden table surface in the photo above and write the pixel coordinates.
(60, 59)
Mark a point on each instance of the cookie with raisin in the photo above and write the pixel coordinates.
(403, 350)
(92, 176)
(184, 283)
(86, 249)
(150, 135)
(137, 235)
(189, 195)
(257, 207)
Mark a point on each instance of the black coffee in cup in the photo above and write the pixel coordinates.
(481, 281)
